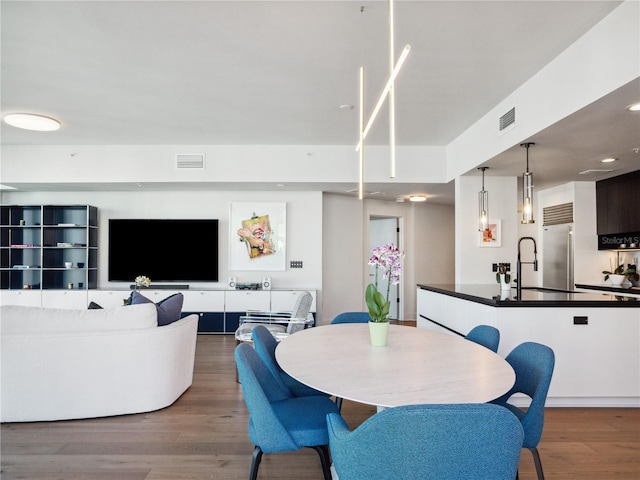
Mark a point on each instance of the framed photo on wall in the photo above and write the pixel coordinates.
(491, 236)
(257, 236)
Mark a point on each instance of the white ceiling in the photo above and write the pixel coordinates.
(275, 73)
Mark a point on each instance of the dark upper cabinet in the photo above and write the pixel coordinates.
(618, 204)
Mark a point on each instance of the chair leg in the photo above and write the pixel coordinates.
(323, 452)
(339, 403)
(538, 463)
(255, 463)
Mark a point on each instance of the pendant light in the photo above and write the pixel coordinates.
(527, 190)
(483, 206)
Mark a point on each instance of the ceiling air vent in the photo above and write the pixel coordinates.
(557, 214)
(195, 160)
(508, 119)
(595, 170)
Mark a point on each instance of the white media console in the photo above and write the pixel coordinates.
(219, 310)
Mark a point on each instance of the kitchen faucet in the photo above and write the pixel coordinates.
(520, 262)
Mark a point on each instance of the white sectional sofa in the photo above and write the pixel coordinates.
(66, 364)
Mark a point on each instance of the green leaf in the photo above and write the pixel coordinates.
(376, 303)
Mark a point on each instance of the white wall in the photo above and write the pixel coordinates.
(343, 254)
(427, 238)
(586, 71)
(133, 164)
(433, 243)
(329, 233)
(474, 263)
(304, 210)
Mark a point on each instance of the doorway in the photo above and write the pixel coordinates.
(384, 230)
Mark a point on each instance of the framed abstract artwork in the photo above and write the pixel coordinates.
(491, 236)
(257, 236)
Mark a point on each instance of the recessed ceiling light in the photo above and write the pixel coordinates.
(608, 160)
(634, 107)
(418, 198)
(30, 121)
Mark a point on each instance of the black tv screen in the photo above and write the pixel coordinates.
(163, 250)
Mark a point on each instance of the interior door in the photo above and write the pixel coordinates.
(384, 230)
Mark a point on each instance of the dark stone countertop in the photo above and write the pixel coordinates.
(531, 297)
(611, 289)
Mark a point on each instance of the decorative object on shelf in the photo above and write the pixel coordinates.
(257, 236)
(483, 205)
(142, 281)
(389, 259)
(503, 277)
(527, 190)
(491, 237)
(619, 274)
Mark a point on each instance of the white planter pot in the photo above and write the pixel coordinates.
(616, 280)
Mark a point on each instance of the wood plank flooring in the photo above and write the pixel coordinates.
(203, 435)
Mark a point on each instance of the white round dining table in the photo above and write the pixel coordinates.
(417, 366)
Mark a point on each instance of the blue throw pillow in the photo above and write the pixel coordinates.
(169, 309)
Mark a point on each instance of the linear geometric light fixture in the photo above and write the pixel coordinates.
(483, 205)
(527, 190)
(388, 91)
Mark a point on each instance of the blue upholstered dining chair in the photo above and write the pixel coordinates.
(485, 335)
(428, 442)
(278, 421)
(533, 364)
(351, 317)
(265, 345)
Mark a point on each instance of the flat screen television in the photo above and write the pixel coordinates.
(164, 250)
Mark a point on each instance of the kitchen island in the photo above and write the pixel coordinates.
(595, 336)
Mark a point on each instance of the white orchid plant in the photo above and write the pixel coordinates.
(142, 281)
(387, 258)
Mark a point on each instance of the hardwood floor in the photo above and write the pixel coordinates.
(204, 436)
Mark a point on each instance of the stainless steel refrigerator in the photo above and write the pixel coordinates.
(557, 256)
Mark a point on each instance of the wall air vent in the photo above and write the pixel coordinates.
(508, 119)
(195, 160)
(355, 190)
(557, 214)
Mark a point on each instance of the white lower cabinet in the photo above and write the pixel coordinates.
(597, 364)
(285, 300)
(109, 298)
(69, 299)
(203, 300)
(219, 311)
(26, 298)
(454, 315)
